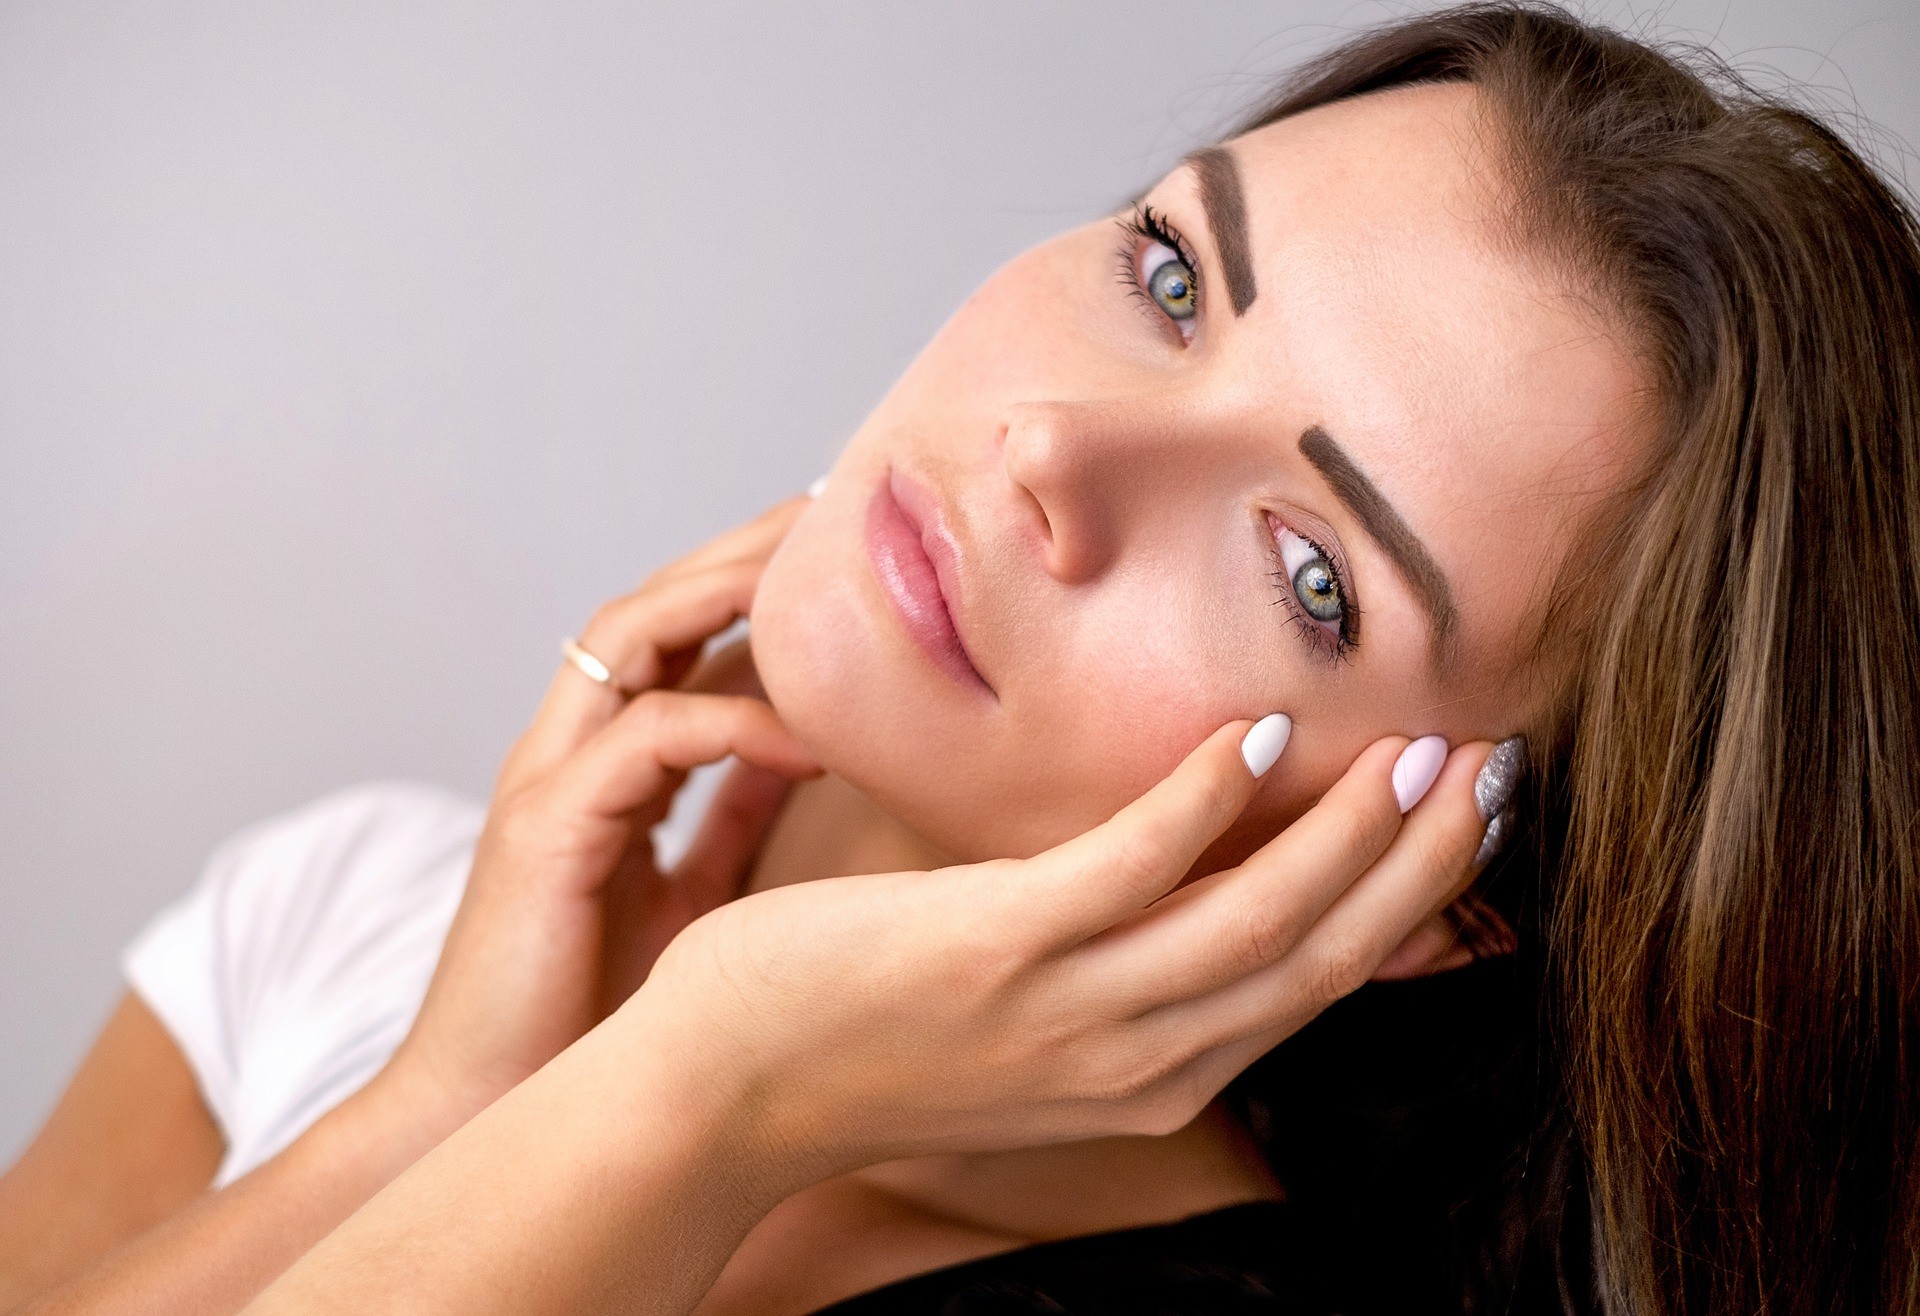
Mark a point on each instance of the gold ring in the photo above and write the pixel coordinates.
(591, 667)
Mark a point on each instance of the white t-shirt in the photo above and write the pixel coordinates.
(294, 967)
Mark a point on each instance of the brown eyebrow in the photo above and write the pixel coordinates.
(1226, 208)
(1395, 537)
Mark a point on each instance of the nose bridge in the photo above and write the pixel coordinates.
(1090, 468)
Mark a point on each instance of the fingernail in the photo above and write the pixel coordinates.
(1498, 776)
(1496, 837)
(1414, 771)
(817, 488)
(1262, 745)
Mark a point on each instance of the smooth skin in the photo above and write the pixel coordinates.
(804, 1032)
(833, 1083)
(130, 1144)
(790, 1038)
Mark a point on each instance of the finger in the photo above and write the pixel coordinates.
(1234, 922)
(630, 934)
(724, 669)
(1126, 863)
(636, 637)
(753, 543)
(754, 540)
(625, 766)
(1434, 946)
(1418, 874)
(575, 704)
(633, 635)
(731, 834)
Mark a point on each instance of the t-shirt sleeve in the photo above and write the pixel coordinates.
(292, 969)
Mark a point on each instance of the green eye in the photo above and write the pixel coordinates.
(1318, 590)
(1171, 287)
(1313, 590)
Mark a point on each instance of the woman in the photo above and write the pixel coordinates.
(1501, 378)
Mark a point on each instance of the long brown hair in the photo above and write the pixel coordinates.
(1723, 883)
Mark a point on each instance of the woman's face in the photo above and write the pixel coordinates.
(1305, 435)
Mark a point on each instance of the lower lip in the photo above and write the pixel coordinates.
(907, 576)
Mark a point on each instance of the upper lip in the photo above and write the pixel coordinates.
(924, 512)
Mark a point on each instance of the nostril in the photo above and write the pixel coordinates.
(1042, 523)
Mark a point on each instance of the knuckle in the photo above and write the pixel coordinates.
(744, 713)
(1342, 967)
(1002, 886)
(977, 963)
(528, 824)
(1257, 935)
(1141, 854)
(981, 970)
(607, 618)
(1442, 853)
(1166, 1111)
(1125, 1083)
(1366, 829)
(651, 713)
(1214, 797)
(1132, 1077)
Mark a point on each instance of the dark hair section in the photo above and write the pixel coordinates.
(1712, 1016)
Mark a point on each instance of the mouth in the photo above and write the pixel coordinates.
(916, 563)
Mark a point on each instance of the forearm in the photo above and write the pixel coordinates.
(218, 1253)
(620, 1177)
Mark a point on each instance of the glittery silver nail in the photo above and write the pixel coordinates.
(1495, 838)
(1498, 776)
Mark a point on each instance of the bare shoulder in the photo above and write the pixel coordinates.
(130, 1143)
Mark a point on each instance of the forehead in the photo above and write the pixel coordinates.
(1486, 398)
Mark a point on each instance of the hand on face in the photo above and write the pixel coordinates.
(1158, 993)
(566, 909)
(1348, 497)
(1079, 993)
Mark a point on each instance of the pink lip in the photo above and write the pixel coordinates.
(914, 560)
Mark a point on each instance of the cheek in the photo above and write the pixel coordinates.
(1135, 681)
(1112, 694)
(1107, 704)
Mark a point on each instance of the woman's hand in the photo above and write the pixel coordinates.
(812, 1028)
(1080, 993)
(566, 909)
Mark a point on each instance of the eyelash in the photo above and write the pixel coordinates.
(1146, 224)
(1336, 649)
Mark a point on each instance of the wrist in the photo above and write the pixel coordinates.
(395, 1119)
(728, 1111)
(624, 1173)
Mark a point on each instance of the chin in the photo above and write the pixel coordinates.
(808, 648)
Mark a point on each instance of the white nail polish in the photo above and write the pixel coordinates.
(817, 488)
(1416, 768)
(1262, 745)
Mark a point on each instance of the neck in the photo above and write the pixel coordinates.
(830, 829)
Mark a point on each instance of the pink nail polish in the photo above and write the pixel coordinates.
(1416, 768)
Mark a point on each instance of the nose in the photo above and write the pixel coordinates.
(1087, 472)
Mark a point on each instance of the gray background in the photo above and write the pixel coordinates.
(350, 352)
